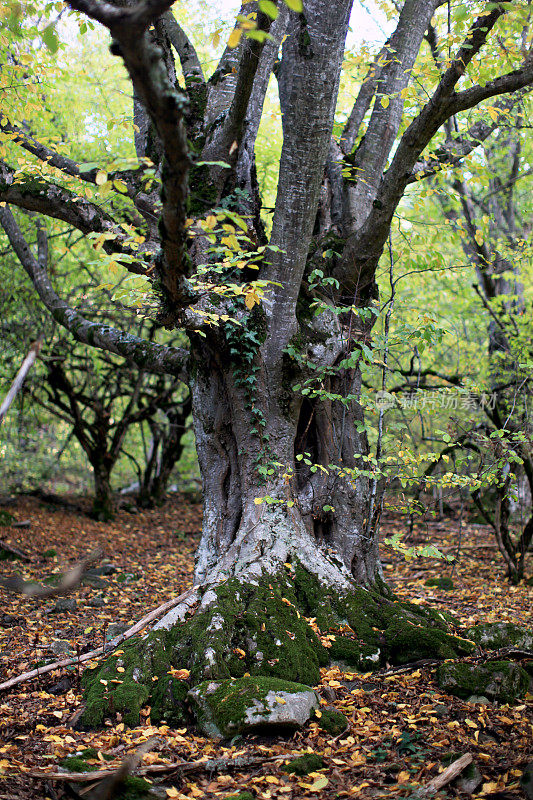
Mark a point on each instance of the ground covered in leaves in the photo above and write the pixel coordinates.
(402, 730)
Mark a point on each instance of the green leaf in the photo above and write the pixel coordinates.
(268, 8)
(50, 38)
(212, 164)
(260, 36)
(295, 5)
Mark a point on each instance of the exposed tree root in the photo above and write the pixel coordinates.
(285, 625)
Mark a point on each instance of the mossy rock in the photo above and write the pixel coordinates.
(441, 583)
(495, 635)
(241, 705)
(240, 796)
(500, 681)
(332, 721)
(407, 642)
(303, 765)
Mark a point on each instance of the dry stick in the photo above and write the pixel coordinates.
(20, 377)
(9, 548)
(448, 775)
(67, 662)
(211, 765)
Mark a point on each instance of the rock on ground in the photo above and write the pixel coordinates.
(242, 705)
(494, 635)
(499, 681)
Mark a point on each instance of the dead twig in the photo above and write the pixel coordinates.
(210, 765)
(20, 377)
(449, 774)
(114, 643)
(9, 548)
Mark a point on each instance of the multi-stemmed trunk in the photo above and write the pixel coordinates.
(263, 505)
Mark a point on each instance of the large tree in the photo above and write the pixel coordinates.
(290, 503)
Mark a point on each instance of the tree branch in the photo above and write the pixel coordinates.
(190, 63)
(454, 150)
(166, 107)
(146, 355)
(363, 249)
(64, 163)
(55, 201)
(363, 100)
(20, 378)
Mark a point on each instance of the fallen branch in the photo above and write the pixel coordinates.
(110, 783)
(20, 377)
(210, 765)
(104, 649)
(69, 581)
(9, 548)
(444, 778)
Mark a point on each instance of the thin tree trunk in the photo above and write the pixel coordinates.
(103, 507)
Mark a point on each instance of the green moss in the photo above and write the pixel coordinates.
(77, 764)
(332, 721)
(303, 765)
(221, 707)
(133, 788)
(261, 629)
(495, 635)
(502, 681)
(440, 583)
(407, 642)
(90, 752)
(240, 796)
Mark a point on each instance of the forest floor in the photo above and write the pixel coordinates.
(402, 729)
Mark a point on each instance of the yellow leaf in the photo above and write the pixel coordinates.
(210, 222)
(180, 674)
(172, 792)
(403, 776)
(235, 37)
(281, 701)
(319, 784)
(385, 101)
(101, 177)
(493, 113)
(470, 723)
(258, 501)
(120, 186)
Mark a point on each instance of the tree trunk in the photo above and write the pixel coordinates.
(279, 470)
(283, 541)
(103, 508)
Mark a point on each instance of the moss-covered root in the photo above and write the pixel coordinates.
(255, 629)
(266, 628)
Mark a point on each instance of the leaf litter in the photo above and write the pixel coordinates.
(403, 731)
